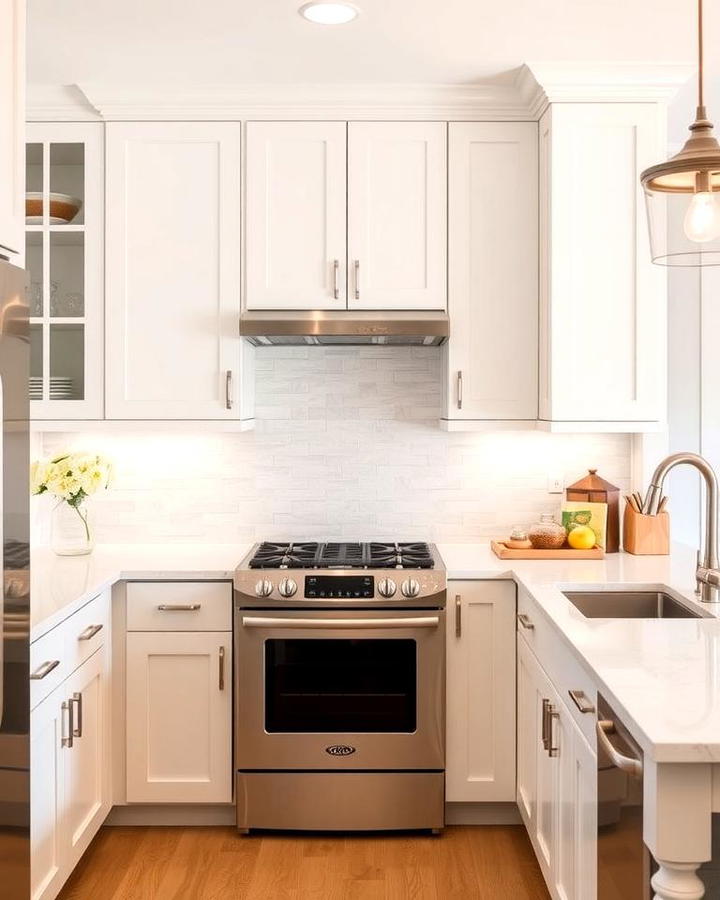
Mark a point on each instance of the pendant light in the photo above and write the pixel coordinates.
(682, 195)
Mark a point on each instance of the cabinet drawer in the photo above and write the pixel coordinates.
(558, 661)
(48, 666)
(179, 606)
(86, 631)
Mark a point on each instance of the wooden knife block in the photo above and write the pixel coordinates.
(646, 535)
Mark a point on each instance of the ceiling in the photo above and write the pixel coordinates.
(410, 41)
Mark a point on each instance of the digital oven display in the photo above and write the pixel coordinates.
(346, 587)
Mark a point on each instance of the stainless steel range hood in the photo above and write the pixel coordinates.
(344, 327)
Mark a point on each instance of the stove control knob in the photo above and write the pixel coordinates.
(287, 587)
(264, 588)
(410, 588)
(386, 587)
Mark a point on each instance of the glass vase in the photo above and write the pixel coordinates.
(71, 532)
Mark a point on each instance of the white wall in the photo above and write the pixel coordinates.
(347, 446)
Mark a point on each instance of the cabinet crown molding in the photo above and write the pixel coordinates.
(523, 96)
(542, 83)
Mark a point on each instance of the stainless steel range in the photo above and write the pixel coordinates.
(340, 686)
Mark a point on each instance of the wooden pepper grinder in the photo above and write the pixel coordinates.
(594, 489)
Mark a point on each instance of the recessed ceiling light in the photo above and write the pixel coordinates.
(322, 13)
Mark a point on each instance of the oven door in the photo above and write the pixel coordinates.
(337, 690)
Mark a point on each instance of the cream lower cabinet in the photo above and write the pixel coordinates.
(480, 753)
(70, 786)
(179, 717)
(556, 783)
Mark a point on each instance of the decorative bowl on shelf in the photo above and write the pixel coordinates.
(63, 208)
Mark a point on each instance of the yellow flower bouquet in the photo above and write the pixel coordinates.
(72, 478)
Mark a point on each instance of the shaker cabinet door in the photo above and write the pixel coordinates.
(480, 754)
(295, 215)
(179, 717)
(173, 271)
(397, 215)
(492, 353)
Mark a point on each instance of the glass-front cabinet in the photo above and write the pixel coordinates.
(64, 260)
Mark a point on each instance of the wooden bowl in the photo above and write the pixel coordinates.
(63, 208)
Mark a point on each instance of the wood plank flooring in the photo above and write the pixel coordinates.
(487, 862)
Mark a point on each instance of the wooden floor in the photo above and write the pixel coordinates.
(492, 862)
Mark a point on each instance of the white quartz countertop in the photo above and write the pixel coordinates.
(59, 585)
(662, 676)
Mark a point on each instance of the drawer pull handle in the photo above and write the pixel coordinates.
(552, 714)
(582, 702)
(179, 607)
(525, 621)
(221, 666)
(545, 708)
(67, 706)
(89, 632)
(45, 669)
(77, 698)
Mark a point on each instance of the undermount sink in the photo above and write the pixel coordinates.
(629, 605)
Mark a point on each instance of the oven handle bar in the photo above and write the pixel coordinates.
(267, 622)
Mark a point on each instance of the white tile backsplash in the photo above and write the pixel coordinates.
(347, 445)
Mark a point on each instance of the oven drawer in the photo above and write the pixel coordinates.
(179, 606)
(340, 801)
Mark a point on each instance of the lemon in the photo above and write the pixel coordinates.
(581, 538)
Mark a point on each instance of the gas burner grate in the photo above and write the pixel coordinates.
(342, 555)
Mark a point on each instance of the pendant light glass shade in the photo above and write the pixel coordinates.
(682, 195)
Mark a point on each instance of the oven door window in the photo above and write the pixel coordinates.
(340, 686)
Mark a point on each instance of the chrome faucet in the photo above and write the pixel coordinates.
(707, 573)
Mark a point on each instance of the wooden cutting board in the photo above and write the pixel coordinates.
(500, 549)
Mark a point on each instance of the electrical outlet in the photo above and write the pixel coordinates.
(555, 484)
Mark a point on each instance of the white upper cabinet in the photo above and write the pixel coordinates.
(491, 356)
(64, 261)
(602, 302)
(173, 272)
(295, 215)
(397, 201)
(12, 126)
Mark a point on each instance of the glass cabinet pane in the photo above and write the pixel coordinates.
(36, 362)
(67, 182)
(33, 183)
(67, 273)
(67, 362)
(34, 266)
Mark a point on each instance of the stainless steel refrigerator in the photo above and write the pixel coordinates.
(15, 612)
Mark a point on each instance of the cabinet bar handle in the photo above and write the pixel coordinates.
(179, 607)
(525, 621)
(66, 706)
(221, 666)
(77, 698)
(357, 279)
(458, 616)
(45, 669)
(336, 285)
(459, 389)
(552, 714)
(89, 632)
(580, 699)
(545, 705)
(228, 389)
